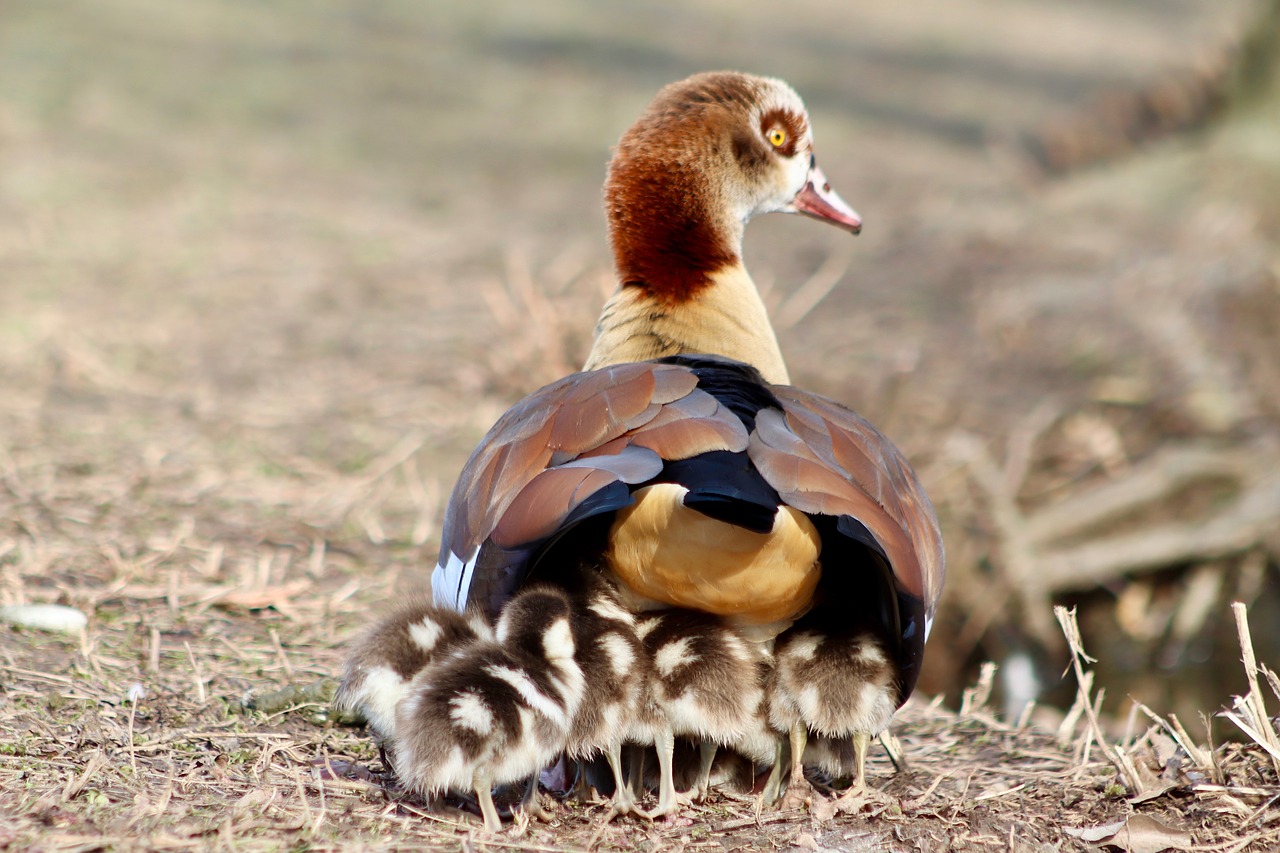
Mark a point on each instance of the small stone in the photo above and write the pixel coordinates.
(45, 617)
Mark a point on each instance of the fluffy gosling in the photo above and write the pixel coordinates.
(385, 658)
(836, 682)
(706, 686)
(497, 712)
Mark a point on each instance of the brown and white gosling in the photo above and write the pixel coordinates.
(706, 686)
(833, 678)
(616, 680)
(381, 663)
(497, 712)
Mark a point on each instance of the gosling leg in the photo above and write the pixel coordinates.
(852, 799)
(635, 769)
(665, 743)
(483, 786)
(799, 792)
(861, 740)
(773, 786)
(624, 797)
(702, 784)
(581, 790)
(531, 802)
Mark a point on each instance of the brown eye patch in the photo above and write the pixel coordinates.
(791, 125)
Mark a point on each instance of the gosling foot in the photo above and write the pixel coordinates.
(799, 793)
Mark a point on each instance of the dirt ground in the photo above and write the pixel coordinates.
(268, 271)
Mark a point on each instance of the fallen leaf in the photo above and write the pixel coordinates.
(1094, 833)
(823, 809)
(1138, 834)
(1166, 748)
(870, 802)
(262, 597)
(805, 841)
(257, 798)
(1151, 794)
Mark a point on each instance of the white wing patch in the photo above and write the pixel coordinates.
(529, 692)
(378, 695)
(876, 707)
(621, 655)
(687, 714)
(869, 652)
(451, 580)
(610, 609)
(557, 642)
(804, 647)
(645, 627)
(736, 646)
(674, 655)
(809, 701)
(426, 633)
(468, 710)
(480, 625)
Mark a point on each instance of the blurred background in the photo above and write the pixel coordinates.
(269, 271)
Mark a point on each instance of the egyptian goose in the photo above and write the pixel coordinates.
(680, 459)
(496, 712)
(834, 677)
(706, 686)
(385, 658)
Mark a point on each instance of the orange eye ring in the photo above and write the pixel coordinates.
(777, 137)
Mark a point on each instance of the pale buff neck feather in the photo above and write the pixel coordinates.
(725, 318)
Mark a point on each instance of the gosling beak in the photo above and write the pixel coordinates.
(818, 200)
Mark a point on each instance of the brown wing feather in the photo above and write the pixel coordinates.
(689, 426)
(514, 487)
(535, 512)
(822, 457)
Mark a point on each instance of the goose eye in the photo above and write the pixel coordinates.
(777, 137)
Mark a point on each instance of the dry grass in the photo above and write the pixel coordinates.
(268, 271)
(136, 735)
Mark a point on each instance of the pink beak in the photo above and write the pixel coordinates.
(818, 200)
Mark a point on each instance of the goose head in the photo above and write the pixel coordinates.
(711, 152)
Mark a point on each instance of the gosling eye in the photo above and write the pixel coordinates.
(777, 137)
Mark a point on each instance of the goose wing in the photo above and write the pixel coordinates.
(581, 447)
(830, 463)
(567, 452)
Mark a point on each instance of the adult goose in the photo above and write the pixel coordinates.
(680, 459)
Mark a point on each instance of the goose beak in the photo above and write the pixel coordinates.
(818, 200)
